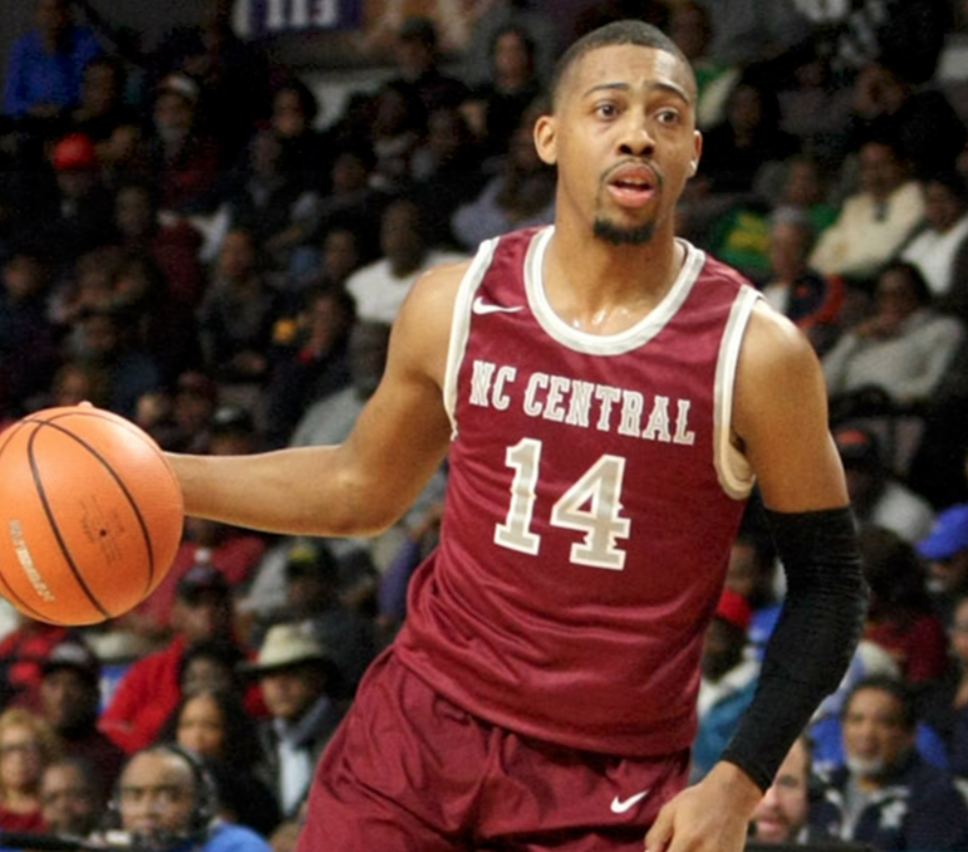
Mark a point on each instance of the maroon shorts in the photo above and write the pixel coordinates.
(409, 771)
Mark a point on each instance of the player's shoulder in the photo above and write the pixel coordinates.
(436, 288)
(774, 347)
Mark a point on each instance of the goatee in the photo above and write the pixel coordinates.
(616, 236)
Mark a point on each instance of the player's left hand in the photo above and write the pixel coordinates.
(712, 816)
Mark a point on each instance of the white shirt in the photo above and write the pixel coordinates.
(933, 253)
(379, 293)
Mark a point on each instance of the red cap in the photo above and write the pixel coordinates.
(734, 609)
(75, 152)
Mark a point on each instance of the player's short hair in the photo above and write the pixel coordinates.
(616, 33)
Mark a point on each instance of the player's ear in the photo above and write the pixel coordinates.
(697, 153)
(546, 139)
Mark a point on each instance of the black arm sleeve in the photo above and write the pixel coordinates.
(814, 640)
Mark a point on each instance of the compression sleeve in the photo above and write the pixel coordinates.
(812, 645)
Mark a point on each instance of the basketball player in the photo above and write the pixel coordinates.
(606, 394)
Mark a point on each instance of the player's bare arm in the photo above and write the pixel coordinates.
(365, 484)
(780, 418)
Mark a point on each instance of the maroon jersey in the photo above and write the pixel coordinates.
(593, 499)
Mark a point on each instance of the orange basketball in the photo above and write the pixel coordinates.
(90, 515)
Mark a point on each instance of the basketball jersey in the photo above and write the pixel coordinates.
(593, 499)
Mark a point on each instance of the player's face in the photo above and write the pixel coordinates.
(875, 737)
(624, 139)
(783, 810)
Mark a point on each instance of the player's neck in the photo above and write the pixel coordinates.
(603, 288)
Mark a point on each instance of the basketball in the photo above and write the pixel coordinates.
(91, 515)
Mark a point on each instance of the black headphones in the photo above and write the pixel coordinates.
(206, 809)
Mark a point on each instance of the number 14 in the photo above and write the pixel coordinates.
(592, 505)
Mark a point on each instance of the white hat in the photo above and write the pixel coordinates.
(287, 645)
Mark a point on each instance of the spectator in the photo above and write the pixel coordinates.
(728, 681)
(167, 797)
(781, 816)
(27, 745)
(313, 366)
(945, 550)
(887, 795)
(214, 725)
(900, 618)
(417, 61)
(149, 691)
(268, 201)
(746, 32)
(874, 222)
(158, 325)
(380, 288)
(901, 352)
(194, 405)
(230, 551)
(497, 105)
(172, 243)
(28, 344)
(102, 109)
(521, 195)
(70, 694)
(184, 159)
(233, 75)
(736, 151)
(447, 171)
(297, 678)
(397, 129)
(306, 153)
(237, 314)
(691, 29)
(46, 65)
(100, 337)
(940, 249)
(887, 103)
(811, 300)
(22, 653)
(878, 498)
(72, 797)
(81, 216)
(524, 15)
(313, 582)
(330, 419)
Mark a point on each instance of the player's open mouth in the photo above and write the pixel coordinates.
(632, 186)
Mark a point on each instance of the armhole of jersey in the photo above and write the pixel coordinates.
(734, 472)
(460, 326)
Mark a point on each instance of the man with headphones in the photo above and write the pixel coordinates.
(165, 801)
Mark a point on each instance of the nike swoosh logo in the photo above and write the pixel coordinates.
(620, 806)
(481, 307)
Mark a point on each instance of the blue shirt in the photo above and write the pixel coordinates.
(235, 838)
(34, 77)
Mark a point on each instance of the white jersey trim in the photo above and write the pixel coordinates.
(460, 326)
(732, 468)
(612, 344)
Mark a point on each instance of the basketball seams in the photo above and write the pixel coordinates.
(115, 420)
(55, 529)
(8, 591)
(124, 490)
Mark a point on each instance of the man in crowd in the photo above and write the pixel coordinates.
(299, 681)
(886, 794)
(70, 695)
(166, 801)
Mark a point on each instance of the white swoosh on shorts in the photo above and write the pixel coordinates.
(620, 806)
(481, 307)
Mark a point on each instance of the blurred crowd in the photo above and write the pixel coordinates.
(184, 243)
